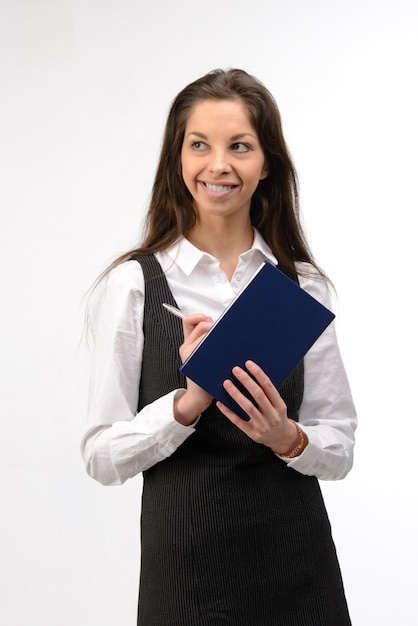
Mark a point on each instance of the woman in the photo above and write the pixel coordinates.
(234, 529)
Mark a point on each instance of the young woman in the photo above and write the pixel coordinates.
(234, 530)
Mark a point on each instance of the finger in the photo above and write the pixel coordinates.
(253, 388)
(197, 321)
(195, 318)
(246, 404)
(242, 424)
(195, 328)
(270, 406)
(266, 384)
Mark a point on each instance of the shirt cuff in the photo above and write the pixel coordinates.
(324, 459)
(158, 421)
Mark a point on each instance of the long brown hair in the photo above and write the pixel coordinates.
(275, 203)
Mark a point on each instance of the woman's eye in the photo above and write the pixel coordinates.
(198, 145)
(240, 147)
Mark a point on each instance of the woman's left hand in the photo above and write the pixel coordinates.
(268, 424)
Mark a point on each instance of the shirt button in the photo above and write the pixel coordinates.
(238, 276)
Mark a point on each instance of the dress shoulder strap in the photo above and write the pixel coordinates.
(163, 335)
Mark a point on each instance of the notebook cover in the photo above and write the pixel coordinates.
(272, 322)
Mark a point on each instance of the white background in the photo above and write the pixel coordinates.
(85, 89)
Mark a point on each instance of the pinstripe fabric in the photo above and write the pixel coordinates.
(230, 535)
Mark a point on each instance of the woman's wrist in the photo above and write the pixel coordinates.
(185, 412)
(298, 447)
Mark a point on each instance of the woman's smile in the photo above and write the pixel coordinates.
(218, 191)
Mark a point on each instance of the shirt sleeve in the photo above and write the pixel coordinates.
(327, 414)
(119, 442)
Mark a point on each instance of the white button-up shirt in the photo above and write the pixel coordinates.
(119, 442)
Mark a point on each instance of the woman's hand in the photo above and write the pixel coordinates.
(194, 400)
(268, 424)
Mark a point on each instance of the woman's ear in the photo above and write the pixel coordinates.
(265, 171)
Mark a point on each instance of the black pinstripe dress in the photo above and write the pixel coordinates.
(230, 536)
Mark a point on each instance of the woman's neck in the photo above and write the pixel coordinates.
(225, 244)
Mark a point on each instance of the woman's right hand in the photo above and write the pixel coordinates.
(189, 405)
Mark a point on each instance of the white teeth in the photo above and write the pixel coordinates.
(218, 188)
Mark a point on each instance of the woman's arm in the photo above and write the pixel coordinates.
(325, 440)
(327, 415)
(118, 442)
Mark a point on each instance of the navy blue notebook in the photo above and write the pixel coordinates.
(272, 322)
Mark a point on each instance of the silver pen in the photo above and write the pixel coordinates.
(173, 310)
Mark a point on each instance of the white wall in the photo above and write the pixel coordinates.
(85, 88)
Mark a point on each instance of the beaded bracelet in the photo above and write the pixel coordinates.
(302, 443)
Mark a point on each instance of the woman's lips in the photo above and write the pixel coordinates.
(218, 188)
(218, 191)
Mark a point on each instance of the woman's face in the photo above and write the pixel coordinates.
(222, 160)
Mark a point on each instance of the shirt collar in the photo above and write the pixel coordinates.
(187, 256)
(260, 245)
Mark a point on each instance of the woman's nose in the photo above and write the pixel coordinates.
(219, 162)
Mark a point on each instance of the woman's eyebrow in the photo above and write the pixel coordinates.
(242, 135)
(193, 132)
(233, 138)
